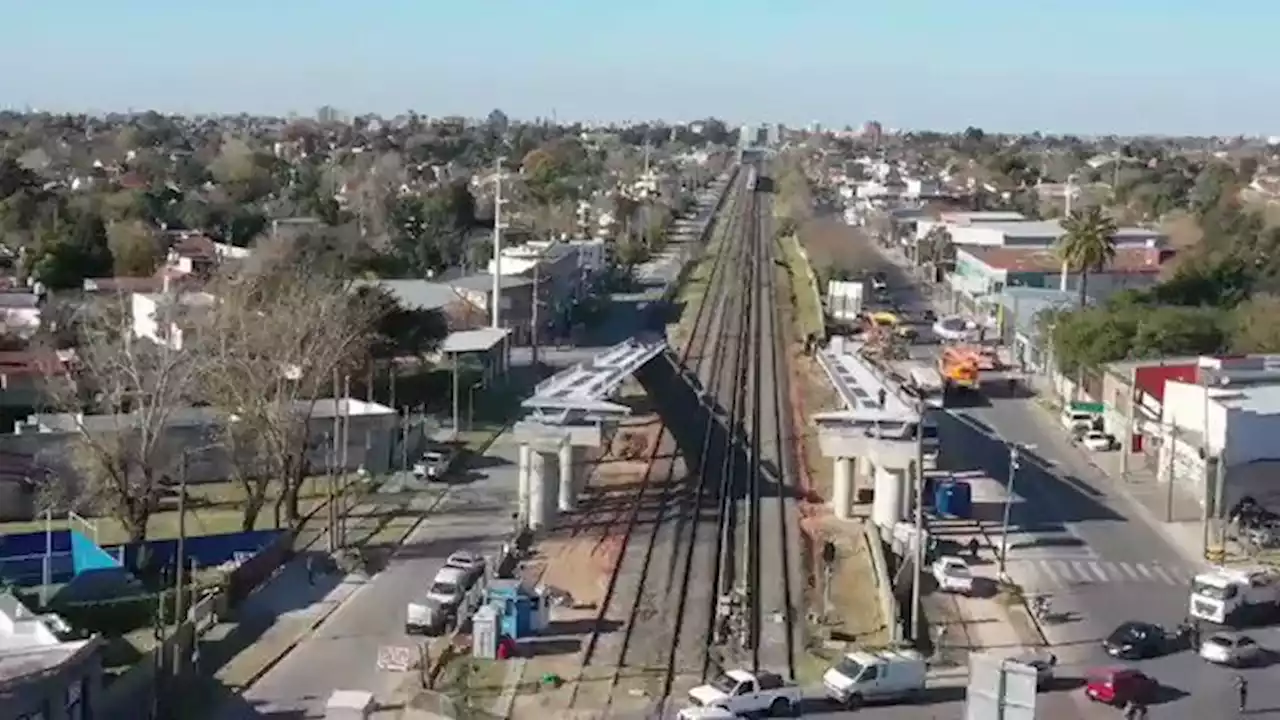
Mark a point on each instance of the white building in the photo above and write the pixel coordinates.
(372, 437)
(593, 254)
(161, 317)
(1041, 233)
(1231, 412)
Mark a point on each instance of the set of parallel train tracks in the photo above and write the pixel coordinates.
(722, 525)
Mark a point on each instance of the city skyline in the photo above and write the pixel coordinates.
(1172, 68)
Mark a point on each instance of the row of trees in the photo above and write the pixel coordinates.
(258, 357)
(1222, 296)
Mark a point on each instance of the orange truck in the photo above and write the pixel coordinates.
(961, 367)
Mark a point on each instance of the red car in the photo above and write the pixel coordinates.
(1118, 685)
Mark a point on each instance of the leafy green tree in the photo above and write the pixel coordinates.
(135, 250)
(63, 261)
(399, 331)
(14, 177)
(1088, 245)
(1255, 325)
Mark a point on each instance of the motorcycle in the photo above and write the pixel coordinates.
(1040, 608)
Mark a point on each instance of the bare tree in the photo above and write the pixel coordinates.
(119, 403)
(270, 349)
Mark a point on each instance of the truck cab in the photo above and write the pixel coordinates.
(435, 463)
(741, 692)
(1235, 596)
(863, 676)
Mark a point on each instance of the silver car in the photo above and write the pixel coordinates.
(1226, 648)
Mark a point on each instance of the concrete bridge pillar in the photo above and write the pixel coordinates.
(524, 478)
(842, 493)
(570, 466)
(542, 468)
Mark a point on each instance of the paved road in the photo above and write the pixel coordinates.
(343, 651)
(1079, 540)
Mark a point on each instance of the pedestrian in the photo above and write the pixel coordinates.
(1193, 634)
(311, 569)
(973, 548)
(1242, 692)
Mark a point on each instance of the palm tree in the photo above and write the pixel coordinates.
(936, 250)
(1088, 245)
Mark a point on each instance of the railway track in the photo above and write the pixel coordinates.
(724, 525)
(651, 573)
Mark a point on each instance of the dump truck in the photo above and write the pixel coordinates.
(960, 368)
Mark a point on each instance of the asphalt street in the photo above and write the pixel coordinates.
(342, 653)
(1078, 540)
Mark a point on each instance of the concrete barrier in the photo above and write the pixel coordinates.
(884, 584)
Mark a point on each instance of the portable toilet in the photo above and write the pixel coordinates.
(521, 612)
(486, 628)
(939, 492)
(955, 499)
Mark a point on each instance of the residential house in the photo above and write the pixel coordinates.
(982, 272)
(44, 674)
(163, 317)
(554, 265)
(20, 312)
(465, 300)
(46, 440)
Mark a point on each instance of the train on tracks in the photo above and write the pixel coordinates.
(757, 182)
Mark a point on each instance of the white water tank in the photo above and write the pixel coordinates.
(886, 507)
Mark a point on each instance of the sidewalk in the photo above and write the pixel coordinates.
(1176, 516)
(289, 606)
(985, 621)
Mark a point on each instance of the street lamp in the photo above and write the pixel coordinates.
(1015, 462)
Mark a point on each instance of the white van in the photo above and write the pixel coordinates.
(863, 676)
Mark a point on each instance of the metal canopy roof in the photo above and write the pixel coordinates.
(581, 390)
(860, 387)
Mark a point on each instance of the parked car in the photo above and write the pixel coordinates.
(448, 587)
(953, 575)
(470, 563)
(1226, 648)
(435, 463)
(1118, 685)
(1076, 421)
(1098, 441)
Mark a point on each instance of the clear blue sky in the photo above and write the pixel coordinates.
(1085, 66)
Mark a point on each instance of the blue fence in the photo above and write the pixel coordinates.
(70, 552)
(205, 550)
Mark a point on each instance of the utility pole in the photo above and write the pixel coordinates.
(343, 477)
(495, 301)
(1070, 191)
(404, 441)
(335, 438)
(456, 386)
(533, 320)
(1014, 464)
(919, 521)
(1173, 446)
(1206, 450)
(179, 582)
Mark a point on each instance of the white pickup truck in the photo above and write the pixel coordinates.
(743, 693)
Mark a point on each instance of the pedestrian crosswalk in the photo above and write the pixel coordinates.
(1043, 574)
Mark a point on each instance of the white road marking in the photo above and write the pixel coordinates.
(1099, 572)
